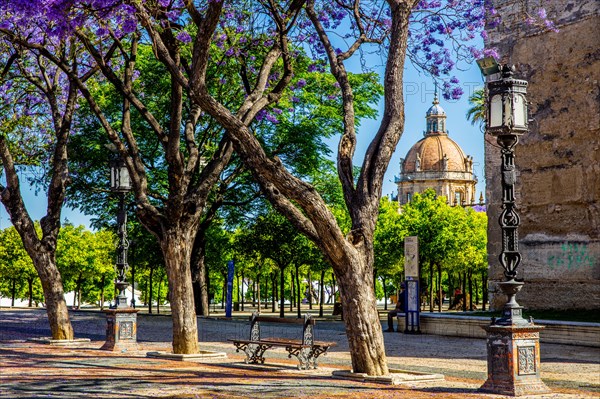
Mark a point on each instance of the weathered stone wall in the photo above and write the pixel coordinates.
(558, 161)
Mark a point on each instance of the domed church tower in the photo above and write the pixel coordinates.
(437, 162)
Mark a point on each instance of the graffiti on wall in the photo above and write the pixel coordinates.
(572, 255)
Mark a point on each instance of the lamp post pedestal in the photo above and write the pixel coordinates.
(121, 330)
(513, 350)
(513, 354)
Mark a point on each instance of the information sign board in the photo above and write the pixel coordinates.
(411, 258)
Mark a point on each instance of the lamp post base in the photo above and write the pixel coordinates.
(121, 330)
(513, 354)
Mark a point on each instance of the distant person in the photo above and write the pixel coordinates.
(397, 310)
(459, 297)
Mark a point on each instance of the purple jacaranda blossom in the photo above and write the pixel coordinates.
(271, 118)
(541, 13)
(184, 37)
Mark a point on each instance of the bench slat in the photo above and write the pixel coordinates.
(267, 319)
(283, 342)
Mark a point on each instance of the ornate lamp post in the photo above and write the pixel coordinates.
(513, 348)
(121, 184)
(121, 330)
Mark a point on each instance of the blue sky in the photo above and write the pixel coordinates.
(418, 94)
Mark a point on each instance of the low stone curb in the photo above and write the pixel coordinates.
(395, 377)
(59, 342)
(194, 357)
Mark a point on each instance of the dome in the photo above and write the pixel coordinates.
(436, 162)
(435, 153)
(435, 109)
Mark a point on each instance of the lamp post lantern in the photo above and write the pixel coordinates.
(121, 329)
(513, 349)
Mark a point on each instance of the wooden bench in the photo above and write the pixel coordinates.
(306, 350)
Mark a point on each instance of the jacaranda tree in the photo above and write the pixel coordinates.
(36, 118)
(194, 40)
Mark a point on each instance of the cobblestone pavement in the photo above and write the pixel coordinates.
(31, 370)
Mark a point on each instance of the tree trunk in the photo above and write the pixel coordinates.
(361, 317)
(13, 292)
(177, 256)
(77, 293)
(224, 292)
(470, 291)
(431, 287)
(322, 293)
(102, 282)
(333, 289)
(30, 290)
(208, 289)
(476, 292)
(56, 306)
(150, 293)
(158, 295)
(273, 291)
(385, 295)
(237, 278)
(199, 275)
(298, 293)
(292, 291)
(464, 291)
(242, 289)
(484, 292)
(439, 286)
(258, 291)
(281, 292)
(132, 264)
(310, 290)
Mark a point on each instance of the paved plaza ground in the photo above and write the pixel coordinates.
(33, 370)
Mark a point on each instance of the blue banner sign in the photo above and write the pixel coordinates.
(413, 307)
(229, 302)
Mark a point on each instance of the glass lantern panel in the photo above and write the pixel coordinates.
(496, 111)
(124, 181)
(520, 110)
(113, 178)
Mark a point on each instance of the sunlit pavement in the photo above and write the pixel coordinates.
(31, 370)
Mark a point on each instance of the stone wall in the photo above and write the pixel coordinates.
(558, 161)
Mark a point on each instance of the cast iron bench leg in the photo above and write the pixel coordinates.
(302, 354)
(256, 354)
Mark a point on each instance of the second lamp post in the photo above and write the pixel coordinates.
(121, 184)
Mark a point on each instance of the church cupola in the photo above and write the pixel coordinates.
(436, 118)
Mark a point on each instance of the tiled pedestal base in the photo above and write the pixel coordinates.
(121, 330)
(513, 354)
